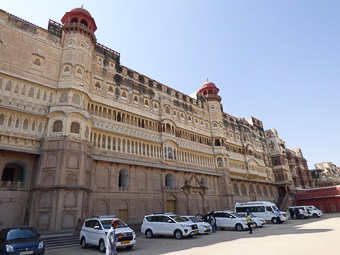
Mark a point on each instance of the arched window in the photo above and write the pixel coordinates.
(123, 178)
(111, 90)
(217, 142)
(124, 95)
(146, 103)
(84, 22)
(243, 189)
(2, 119)
(97, 85)
(8, 86)
(236, 192)
(74, 20)
(63, 98)
(219, 162)
(76, 99)
(25, 125)
(265, 191)
(57, 126)
(75, 127)
(169, 180)
(167, 110)
(251, 189)
(258, 191)
(135, 99)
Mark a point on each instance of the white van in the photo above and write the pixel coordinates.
(263, 209)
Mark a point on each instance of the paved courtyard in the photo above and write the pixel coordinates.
(310, 236)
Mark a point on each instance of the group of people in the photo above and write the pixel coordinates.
(295, 212)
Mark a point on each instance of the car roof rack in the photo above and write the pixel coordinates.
(105, 216)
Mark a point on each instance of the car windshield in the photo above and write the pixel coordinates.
(238, 215)
(108, 223)
(178, 218)
(275, 208)
(195, 219)
(21, 234)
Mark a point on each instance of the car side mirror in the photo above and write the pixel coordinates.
(170, 221)
(96, 227)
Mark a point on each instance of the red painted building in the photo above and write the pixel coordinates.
(327, 198)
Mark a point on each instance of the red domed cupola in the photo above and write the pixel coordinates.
(80, 20)
(210, 91)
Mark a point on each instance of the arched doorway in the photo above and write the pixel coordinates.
(15, 171)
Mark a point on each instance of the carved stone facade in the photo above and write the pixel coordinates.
(326, 174)
(83, 135)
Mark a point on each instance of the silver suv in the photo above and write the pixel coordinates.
(167, 224)
(94, 232)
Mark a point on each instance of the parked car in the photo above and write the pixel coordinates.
(229, 219)
(21, 240)
(314, 212)
(168, 224)
(203, 227)
(259, 222)
(94, 231)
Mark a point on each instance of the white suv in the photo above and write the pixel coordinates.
(314, 212)
(228, 219)
(94, 232)
(167, 224)
(203, 227)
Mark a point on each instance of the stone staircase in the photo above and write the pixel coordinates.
(57, 241)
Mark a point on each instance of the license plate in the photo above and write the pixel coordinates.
(126, 241)
(26, 252)
(208, 229)
(196, 232)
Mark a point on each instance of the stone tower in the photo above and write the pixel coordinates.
(210, 92)
(64, 176)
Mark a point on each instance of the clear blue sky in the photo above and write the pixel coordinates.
(278, 61)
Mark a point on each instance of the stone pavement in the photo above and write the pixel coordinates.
(310, 236)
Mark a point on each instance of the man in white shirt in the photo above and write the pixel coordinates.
(112, 238)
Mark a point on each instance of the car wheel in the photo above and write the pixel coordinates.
(256, 225)
(178, 234)
(315, 215)
(302, 216)
(129, 247)
(83, 243)
(275, 220)
(102, 246)
(148, 233)
(239, 227)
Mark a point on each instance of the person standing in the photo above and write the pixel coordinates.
(248, 218)
(296, 213)
(112, 238)
(211, 221)
(291, 211)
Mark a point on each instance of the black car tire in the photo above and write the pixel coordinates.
(315, 215)
(275, 220)
(102, 246)
(83, 243)
(148, 233)
(129, 247)
(239, 227)
(178, 234)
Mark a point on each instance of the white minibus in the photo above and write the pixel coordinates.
(263, 209)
